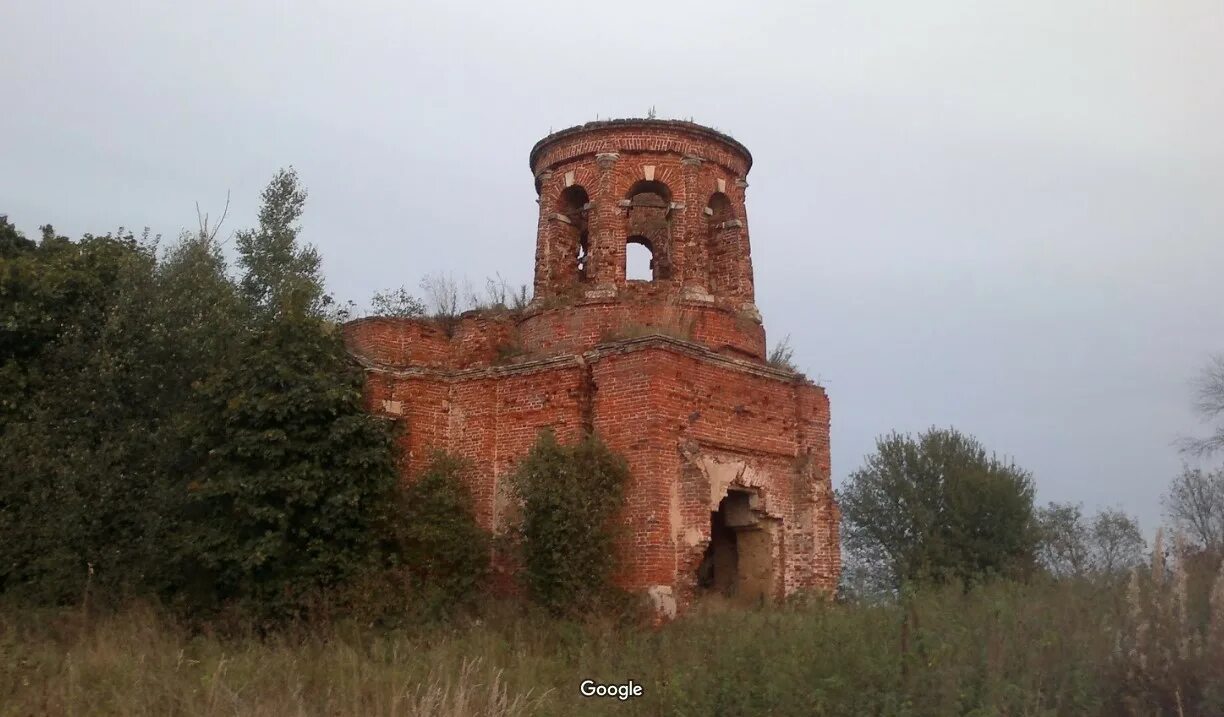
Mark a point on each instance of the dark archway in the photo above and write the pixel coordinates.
(573, 204)
(720, 208)
(649, 224)
(644, 188)
(738, 563)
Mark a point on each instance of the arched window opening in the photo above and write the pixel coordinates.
(639, 259)
(720, 208)
(573, 203)
(644, 188)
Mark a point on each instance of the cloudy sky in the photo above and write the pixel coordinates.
(1006, 217)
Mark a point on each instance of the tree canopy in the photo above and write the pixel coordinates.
(937, 506)
(173, 428)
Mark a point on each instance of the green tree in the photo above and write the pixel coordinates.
(165, 429)
(12, 241)
(276, 266)
(570, 496)
(295, 481)
(937, 507)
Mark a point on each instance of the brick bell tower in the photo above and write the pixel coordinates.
(730, 491)
(674, 188)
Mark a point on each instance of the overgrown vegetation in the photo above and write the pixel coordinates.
(783, 356)
(181, 434)
(1067, 647)
(171, 430)
(398, 303)
(570, 496)
(444, 549)
(446, 298)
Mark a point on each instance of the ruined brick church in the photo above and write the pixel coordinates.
(729, 455)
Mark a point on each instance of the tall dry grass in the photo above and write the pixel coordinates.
(142, 663)
(1042, 648)
(1170, 652)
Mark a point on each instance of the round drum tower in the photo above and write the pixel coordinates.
(676, 189)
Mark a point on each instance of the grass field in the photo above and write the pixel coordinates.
(1006, 649)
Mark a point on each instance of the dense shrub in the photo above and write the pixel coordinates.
(296, 480)
(100, 348)
(167, 429)
(444, 549)
(570, 496)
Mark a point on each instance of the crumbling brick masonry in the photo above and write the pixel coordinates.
(730, 456)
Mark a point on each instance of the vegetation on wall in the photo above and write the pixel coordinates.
(783, 356)
(570, 496)
(444, 549)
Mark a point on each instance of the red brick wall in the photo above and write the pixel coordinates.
(582, 326)
(691, 404)
(705, 253)
(660, 403)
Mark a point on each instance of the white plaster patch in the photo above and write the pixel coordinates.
(393, 407)
(663, 601)
(692, 537)
(722, 475)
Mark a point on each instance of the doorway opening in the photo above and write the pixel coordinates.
(737, 562)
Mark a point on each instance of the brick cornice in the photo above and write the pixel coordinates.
(684, 126)
(611, 348)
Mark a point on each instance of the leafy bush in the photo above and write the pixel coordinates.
(396, 302)
(296, 478)
(444, 549)
(570, 496)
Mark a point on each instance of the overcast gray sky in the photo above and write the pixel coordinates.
(1007, 217)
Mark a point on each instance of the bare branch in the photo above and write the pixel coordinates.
(1194, 503)
(1209, 402)
(202, 220)
(224, 214)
